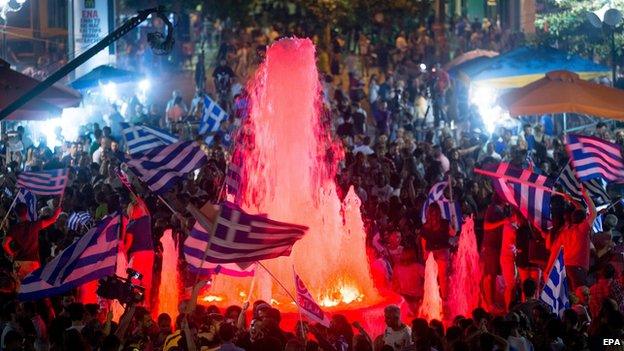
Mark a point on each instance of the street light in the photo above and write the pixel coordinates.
(610, 18)
(7, 6)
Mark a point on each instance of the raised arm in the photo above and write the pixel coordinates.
(591, 207)
(6, 245)
(241, 323)
(44, 223)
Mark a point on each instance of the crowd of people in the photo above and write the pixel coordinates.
(404, 125)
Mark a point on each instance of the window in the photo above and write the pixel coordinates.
(57, 13)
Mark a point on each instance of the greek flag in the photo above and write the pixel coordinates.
(143, 138)
(93, 256)
(78, 219)
(451, 211)
(233, 175)
(307, 305)
(597, 225)
(163, 166)
(211, 118)
(595, 187)
(26, 197)
(529, 192)
(595, 158)
(239, 237)
(45, 182)
(194, 259)
(555, 292)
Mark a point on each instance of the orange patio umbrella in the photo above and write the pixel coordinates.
(564, 92)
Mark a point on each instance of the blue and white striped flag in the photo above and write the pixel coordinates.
(211, 118)
(143, 138)
(571, 185)
(307, 306)
(529, 192)
(44, 182)
(162, 167)
(79, 219)
(595, 158)
(93, 256)
(233, 175)
(239, 237)
(194, 258)
(555, 291)
(451, 211)
(597, 225)
(26, 197)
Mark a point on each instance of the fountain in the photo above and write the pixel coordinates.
(431, 307)
(169, 286)
(290, 163)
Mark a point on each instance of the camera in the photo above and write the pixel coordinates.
(114, 287)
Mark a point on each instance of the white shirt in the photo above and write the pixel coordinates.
(398, 339)
(373, 93)
(97, 155)
(444, 161)
(365, 149)
(519, 343)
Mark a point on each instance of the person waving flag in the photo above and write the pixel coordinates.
(451, 210)
(529, 192)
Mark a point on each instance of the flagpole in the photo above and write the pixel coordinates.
(158, 195)
(514, 180)
(305, 339)
(284, 288)
(613, 204)
(167, 204)
(552, 266)
(279, 283)
(450, 187)
(251, 287)
(9, 210)
(213, 229)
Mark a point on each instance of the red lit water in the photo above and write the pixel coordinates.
(288, 173)
(168, 293)
(431, 307)
(466, 276)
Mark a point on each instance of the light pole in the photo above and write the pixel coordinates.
(610, 18)
(7, 6)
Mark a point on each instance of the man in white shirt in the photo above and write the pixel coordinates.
(397, 334)
(362, 146)
(76, 315)
(490, 152)
(104, 147)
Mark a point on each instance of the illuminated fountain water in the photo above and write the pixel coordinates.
(464, 296)
(288, 172)
(431, 307)
(169, 284)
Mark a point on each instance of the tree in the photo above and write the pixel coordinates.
(564, 24)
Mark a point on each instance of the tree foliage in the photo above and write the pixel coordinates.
(564, 23)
